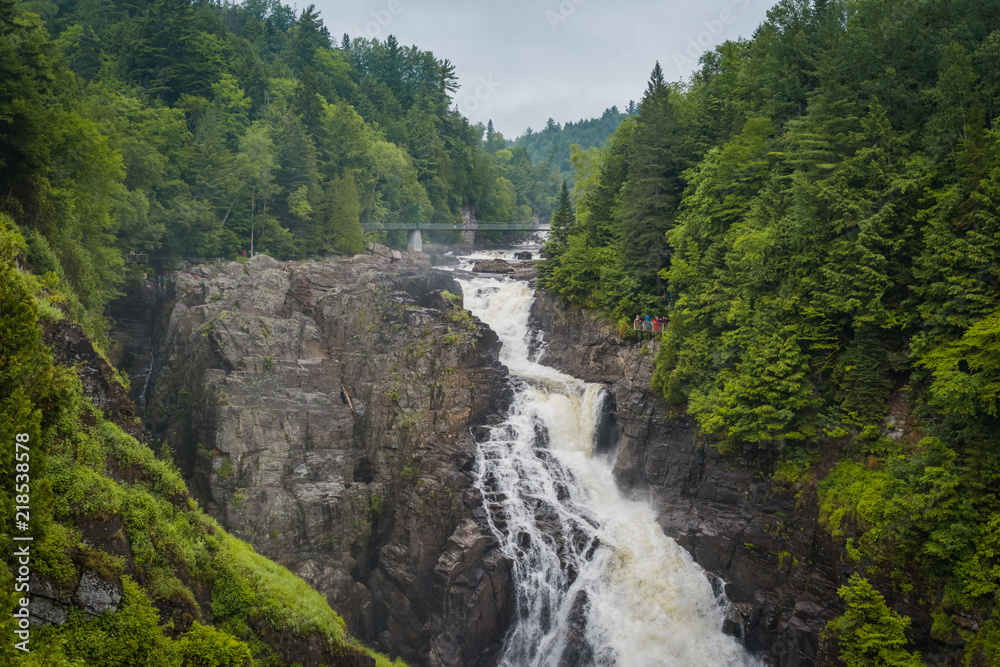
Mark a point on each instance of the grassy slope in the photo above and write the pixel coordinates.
(102, 503)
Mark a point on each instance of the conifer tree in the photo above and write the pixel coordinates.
(649, 195)
(869, 632)
(563, 224)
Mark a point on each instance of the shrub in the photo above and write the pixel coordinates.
(204, 646)
(225, 470)
(869, 633)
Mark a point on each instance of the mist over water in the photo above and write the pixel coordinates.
(597, 581)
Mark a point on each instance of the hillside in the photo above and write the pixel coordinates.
(104, 525)
(816, 209)
(552, 145)
(173, 129)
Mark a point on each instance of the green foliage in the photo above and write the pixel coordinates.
(765, 397)
(827, 220)
(869, 633)
(204, 646)
(984, 649)
(553, 145)
(458, 315)
(186, 131)
(225, 470)
(578, 269)
(563, 224)
(84, 471)
(793, 465)
(966, 372)
(130, 636)
(650, 193)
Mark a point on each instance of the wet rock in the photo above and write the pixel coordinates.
(525, 271)
(470, 580)
(522, 255)
(493, 266)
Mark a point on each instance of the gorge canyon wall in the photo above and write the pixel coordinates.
(327, 413)
(324, 412)
(760, 541)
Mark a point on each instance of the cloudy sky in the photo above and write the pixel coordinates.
(521, 62)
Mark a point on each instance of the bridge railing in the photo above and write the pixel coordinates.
(442, 226)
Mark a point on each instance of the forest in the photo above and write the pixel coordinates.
(177, 129)
(817, 211)
(173, 130)
(555, 144)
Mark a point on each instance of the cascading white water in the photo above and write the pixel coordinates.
(597, 580)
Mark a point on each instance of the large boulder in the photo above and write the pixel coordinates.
(492, 266)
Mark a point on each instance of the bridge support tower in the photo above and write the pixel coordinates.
(414, 242)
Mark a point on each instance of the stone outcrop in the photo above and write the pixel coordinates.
(493, 266)
(323, 412)
(761, 542)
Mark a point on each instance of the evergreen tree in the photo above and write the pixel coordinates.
(650, 193)
(307, 103)
(869, 633)
(338, 214)
(562, 226)
(310, 35)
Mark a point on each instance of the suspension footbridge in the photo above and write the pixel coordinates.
(415, 226)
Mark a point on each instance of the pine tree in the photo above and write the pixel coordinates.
(338, 224)
(959, 268)
(869, 633)
(563, 224)
(307, 102)
(310, 34)
(649, 195)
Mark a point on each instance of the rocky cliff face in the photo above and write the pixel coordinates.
(323, 412)
(759, 540)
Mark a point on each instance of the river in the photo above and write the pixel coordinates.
(597, 581)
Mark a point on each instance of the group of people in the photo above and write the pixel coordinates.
(651, 324)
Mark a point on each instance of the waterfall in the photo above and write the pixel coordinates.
(149, 374)
(597, 581)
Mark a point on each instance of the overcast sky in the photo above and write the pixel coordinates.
(521, 62)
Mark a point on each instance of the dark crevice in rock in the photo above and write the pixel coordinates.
(608, 432)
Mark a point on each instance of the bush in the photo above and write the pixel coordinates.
(204, 646)
(869, 633)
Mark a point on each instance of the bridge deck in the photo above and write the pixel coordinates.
(442, 226)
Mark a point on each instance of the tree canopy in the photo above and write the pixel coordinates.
(816, 208)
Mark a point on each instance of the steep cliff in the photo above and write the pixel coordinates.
(108, 560)
(760, 539)
(323, 412)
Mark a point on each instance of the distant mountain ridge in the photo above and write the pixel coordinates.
(553, 142)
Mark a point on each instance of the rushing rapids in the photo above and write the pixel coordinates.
(598, 583)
